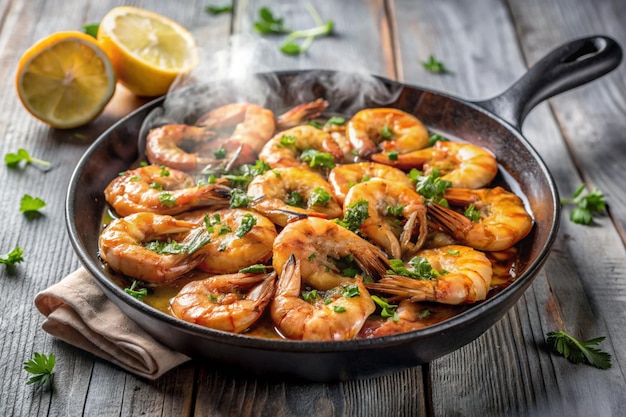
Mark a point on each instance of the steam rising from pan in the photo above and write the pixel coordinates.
(240, 72)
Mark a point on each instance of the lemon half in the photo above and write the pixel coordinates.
(65, 79)
(147, 49)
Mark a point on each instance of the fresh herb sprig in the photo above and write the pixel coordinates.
(435, 66)
(577, 351)
(270, 24)
(12, 258)
(30, 206)
(138, 293)
(42, 367)
(215, 10)
(13, 160)
(586, 205)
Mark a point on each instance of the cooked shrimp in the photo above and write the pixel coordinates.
(122, 247)
(175, 146)
(343, 177)
(409, 316)
(336, 314)
(290, 147)
(463, 275)
(503, 221)
(163, 191)
(287, 194)
(253, 125)
(301, 113)
(231, 303)
(321, 246)
(388, 200)
(239, 238)
(385, 129)
(463, 164)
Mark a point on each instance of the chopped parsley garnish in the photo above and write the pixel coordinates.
(167, 199)
(312, 256)
(137, 293)
(472, 213)
(421, 269)
(336, 121)
(431, 186)
(287, 140)
(350, 291)
(579, 351)
(239, 199)
(310, 296)
(166, 247)
(220, 153)
(388, 310)
(12, 258)
(586, 205)
(319, 197)
(247, 223)
(317, 159)
(394, 211)
(224, 229)
(12, 160)
(42, 367)
(339, 309)
(453, 252)
(91, 30)
(295, 199)
(164, 171)
(423, 314)
(315, 124)
(434, 138)
(137, 178)
(155, 186)
(392, 156)
(254, 269)
(242, 177)
(30, 206)
(386, 133)
(193, 243)
(435, 66)
(356, 214)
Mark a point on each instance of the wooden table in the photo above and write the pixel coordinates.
(487, 44)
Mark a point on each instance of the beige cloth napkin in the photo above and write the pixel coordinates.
(79, 313)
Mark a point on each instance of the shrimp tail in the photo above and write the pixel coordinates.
(456, 223)
(417, 222)
(301, 113)
(373, 262)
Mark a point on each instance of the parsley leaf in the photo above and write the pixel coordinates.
(430, 186)
(242, 177)
(12, 160)
(421, 269)
(295, 199)
(12, 258)
(319, 197)
(215, 10)
(254, 269)
(435, 66)
(579, 352)
(42, 367)
(137, 293)
(30, 206)
(91, 29)
(388, 310)
(239, 199)
(247, 223)
(586, 205)
(434, 138)
(356, 214)
(472, 213)
(317, 159)
(268, 23)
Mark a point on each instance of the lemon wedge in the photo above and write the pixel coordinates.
(65, 79)
(147, 49)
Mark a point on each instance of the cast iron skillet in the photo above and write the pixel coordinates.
(494, 124)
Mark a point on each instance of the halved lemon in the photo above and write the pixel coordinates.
(148, 50)
(65, 79)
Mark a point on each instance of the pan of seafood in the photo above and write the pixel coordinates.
(317, 236)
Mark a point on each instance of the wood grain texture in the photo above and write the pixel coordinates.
(487, 44)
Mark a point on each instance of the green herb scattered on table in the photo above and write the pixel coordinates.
(579, 351)
(586, 205)
(42, 367)
(12, 160)
(12, 258)
(30, 206)
(435, 66)
(215, 10)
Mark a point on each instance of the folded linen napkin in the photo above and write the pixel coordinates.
(78, 312)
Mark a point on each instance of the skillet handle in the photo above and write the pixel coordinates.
(568, 66)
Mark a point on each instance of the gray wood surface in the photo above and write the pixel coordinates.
(487, 44)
